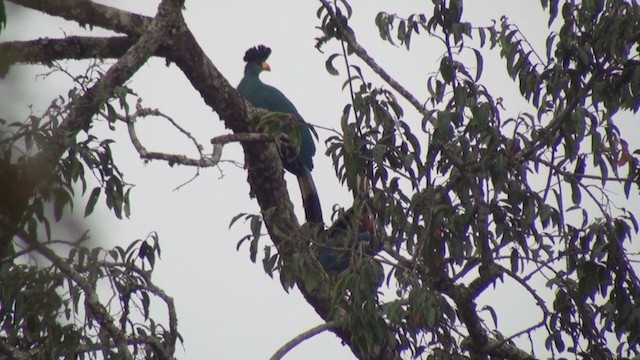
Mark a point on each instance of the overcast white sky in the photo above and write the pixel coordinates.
(227, 307)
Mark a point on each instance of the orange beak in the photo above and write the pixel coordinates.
(266, 66)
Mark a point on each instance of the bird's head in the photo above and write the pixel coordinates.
(256, 59)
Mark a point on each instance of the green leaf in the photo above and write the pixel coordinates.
(446, 69)
(402, 31)
(329, 65)
(253, 250)
(494, 316)
(146, 303)
(93, 199)
(235, 218)
(576, 196)
(553, 11)
(483, 36)
(60, 200)
(479, 64)
(256, 226)
(127, 203)
(514, 260)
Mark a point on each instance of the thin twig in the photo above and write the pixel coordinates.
(576, 176)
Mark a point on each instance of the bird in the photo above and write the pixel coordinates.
(345, 235)
(354, 229)
(270, 98)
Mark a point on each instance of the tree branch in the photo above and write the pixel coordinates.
(92, 301)
(88, 12)
(150, 287)
(498, 349)
(537, 143)
(45, 50)
(204, 161)
(362, 54)
(300, 338)
(242, 137)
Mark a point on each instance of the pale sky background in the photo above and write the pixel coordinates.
(228, 308)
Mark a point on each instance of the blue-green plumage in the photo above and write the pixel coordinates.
(269, 98)
(346, 232)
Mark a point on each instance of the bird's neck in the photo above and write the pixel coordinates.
(251, 72)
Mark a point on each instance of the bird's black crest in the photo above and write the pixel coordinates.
(258, 54)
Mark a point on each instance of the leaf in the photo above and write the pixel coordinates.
(553, 11)
(494, 316)
(479, 64)
(253, 250)
(61, 199)
(483, 36)
(446, 69)
(146, 252)
(329, 65)
(244, 238)
(256, 226)
(127, 203)
(514, 261)
(348, 7)
(576, 196)
(402, 32)
(93, 199)
(235, 218)
(146, 302)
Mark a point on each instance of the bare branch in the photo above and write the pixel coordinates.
(300, 338)
(173, 158)
(88, 12)
(45, 50)
(242, 137)
(204, 161)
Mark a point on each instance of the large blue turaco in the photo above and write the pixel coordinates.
(269, 98)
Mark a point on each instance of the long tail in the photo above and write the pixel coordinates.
(310, 199)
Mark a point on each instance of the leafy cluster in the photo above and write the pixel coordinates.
(45, 311)
(471, 194)
(53, 305)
